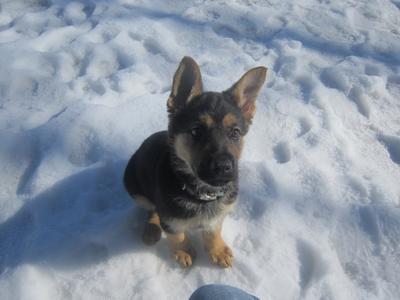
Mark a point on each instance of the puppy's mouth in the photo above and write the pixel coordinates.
(217, 181)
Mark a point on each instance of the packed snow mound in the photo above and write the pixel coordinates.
(83, 83)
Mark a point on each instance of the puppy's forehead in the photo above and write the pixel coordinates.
(215, 109)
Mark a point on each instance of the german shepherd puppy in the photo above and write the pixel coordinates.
(187, 176)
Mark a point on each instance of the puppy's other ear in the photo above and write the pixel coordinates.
(186, 85)
(245, 91)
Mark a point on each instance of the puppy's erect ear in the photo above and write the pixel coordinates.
(245, 91)
(186, 85)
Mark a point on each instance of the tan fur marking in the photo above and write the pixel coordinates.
(236, 151)
(176, 239)
(177, 78)
(154, 218)
(182, 250)
(216, 248)
(207, 120)
(229, 120)
(181, 149)
(170, 103)
(199, 222)
(144, 202)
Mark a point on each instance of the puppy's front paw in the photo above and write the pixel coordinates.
(182, 250)
(221, 256)
(184, 257)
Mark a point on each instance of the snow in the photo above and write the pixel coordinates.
(82, 83)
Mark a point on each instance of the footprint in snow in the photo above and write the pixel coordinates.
(282, 152)
(285, 66)
(360, 100)
(102, 61)
(151, 45)
(306, 85)
(97, 87)
(392, 145)
(369, 224)
(361, 276)
(258, 190)
(372, 70)
(76, 13)
(109, 33)
(335, 79)
(312, 266)
(393, 85)
(305, 126)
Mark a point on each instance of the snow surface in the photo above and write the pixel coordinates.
(83, 83)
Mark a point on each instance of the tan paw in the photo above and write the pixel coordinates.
(221, 256)
(184, 257)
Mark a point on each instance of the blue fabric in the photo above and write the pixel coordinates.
(220, 292)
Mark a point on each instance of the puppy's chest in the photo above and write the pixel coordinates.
(201, 217)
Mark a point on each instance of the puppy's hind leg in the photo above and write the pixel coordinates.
(152, 229)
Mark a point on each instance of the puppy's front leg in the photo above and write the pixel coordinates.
(216, 248)
(182, 250)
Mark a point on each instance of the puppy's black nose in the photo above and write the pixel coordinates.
(223, 166)
(218, 169)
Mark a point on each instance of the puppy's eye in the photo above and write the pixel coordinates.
(235, 134)
(196, 132)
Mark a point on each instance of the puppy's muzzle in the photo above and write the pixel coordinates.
(218, 169)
